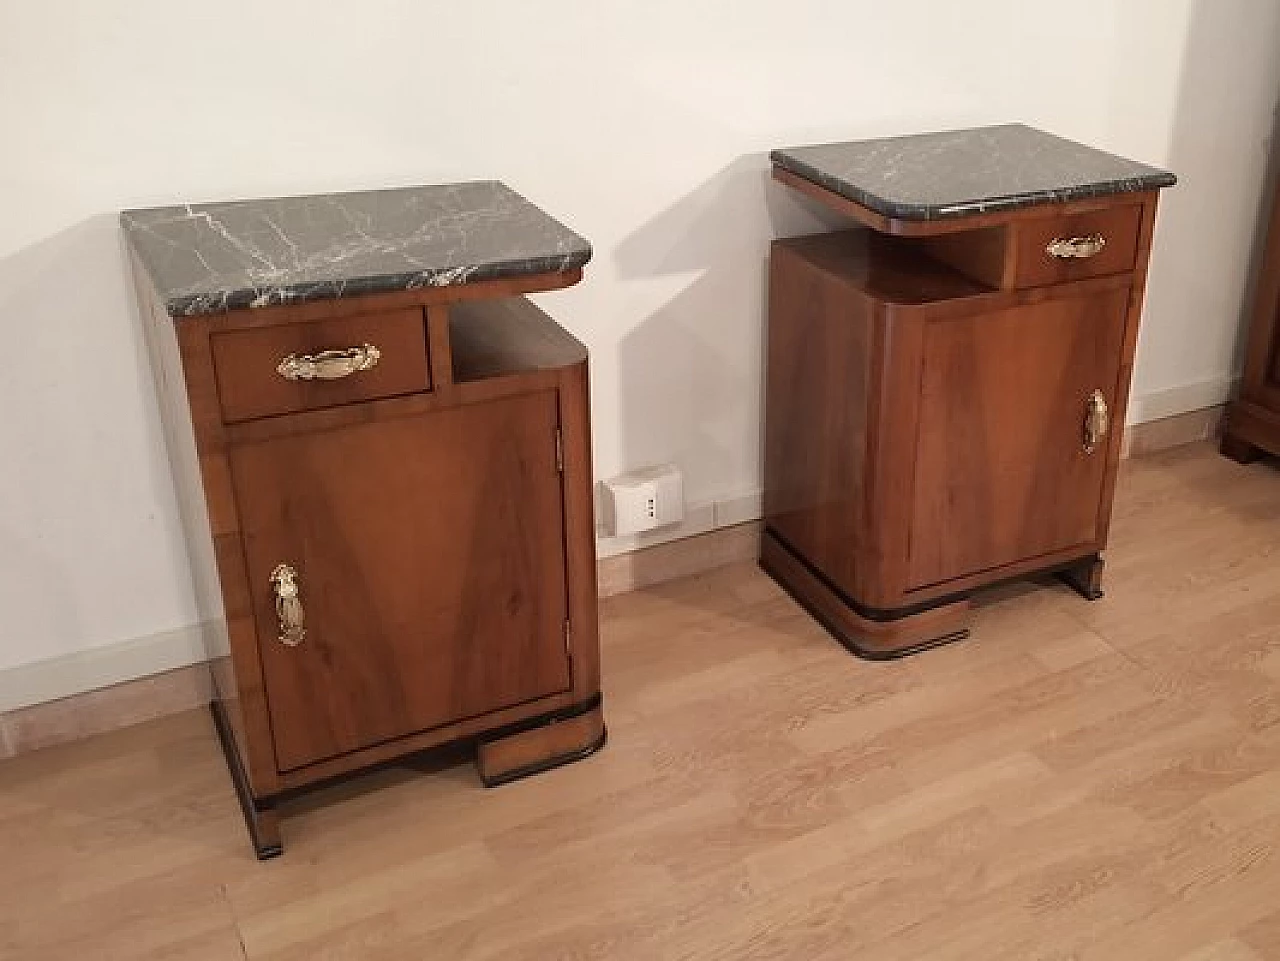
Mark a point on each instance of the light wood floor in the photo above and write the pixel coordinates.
(1077, 781)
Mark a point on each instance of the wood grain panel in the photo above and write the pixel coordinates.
(403, 636)
(817, 405)
(579, 528)
(480, 336)
(885, 269)
(217, 562)
(1000, 471)
(1275, 347)
(987, 255)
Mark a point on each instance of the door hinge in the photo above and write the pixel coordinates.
(559, 450)
(568, 646)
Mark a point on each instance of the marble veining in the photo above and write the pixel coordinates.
(960, 173)
(207, 258)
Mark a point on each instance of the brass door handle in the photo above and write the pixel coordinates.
(284, 582)
(329, 364)
(1076, 248)
(1097, 421)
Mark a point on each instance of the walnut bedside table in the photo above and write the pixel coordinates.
(946, 384)
(383, 455)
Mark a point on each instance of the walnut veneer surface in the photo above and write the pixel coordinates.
(942, 385)
(1077, 781)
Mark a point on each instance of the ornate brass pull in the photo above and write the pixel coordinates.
(284, 581)
(1097, 421)
(329, 364)
(1076, 248)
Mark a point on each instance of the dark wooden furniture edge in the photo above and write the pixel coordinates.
(1252, 424)
(876, 638)
(260, 816)
(260, 813)
(883, 634)
(1250, 431)
(536, 745)
(1085, 577)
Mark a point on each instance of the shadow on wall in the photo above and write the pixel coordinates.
(88, 537)
(1207, 258)
(690, 374)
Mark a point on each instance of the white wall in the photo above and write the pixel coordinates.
(643, 125)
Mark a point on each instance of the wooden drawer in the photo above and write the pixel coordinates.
(1116, 227)
(251, 383)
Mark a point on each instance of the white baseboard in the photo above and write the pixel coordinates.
(1171, 401)
(699, 518)
(100, 667)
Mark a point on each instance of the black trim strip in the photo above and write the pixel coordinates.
(515, 727)
(884, 615)
(881, 615)
(318, 762)
(515, 774)
(542, 720)
(869, 653)
(249, 806)
(847, 640)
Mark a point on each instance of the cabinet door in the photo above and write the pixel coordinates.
(1001, 472)
(429, 554)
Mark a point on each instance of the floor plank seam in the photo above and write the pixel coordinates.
(235, 921)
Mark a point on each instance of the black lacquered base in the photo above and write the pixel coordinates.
(1085, 577)
(261, 818)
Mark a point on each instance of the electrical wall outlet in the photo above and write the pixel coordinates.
(642, 500)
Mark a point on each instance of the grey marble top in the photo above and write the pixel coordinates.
(205, 258)
(935, 176)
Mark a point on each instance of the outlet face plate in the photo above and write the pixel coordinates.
(643, 500)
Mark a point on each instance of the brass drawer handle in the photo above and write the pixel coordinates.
(1097, 421)
(284, 581)
(1076, 248)
(329, 364)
